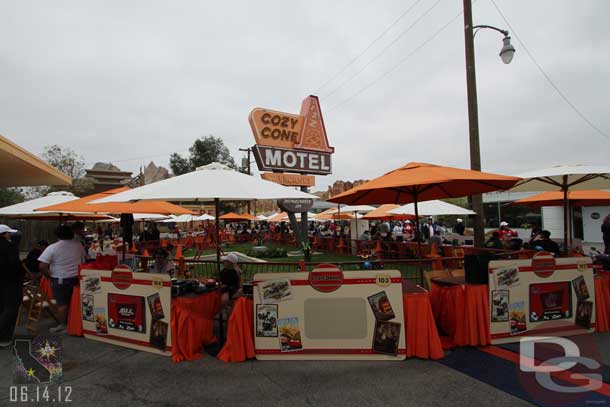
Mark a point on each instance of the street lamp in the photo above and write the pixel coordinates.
(506, 53)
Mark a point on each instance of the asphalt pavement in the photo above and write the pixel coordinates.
(106, 375)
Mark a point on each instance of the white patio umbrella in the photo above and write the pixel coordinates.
(431, 208)
(205, 216)
(564, 178)
(214, 182)
(355, 210)
(27, 209)
(148, 216)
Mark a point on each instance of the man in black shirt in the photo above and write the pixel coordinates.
(31, 261)
(459, 227)
(546, 243)
(11, 281)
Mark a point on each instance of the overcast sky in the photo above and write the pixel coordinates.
(130, 82)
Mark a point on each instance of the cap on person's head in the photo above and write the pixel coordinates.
(546, 234)
(408, 221)
(459, 220)
(6, 229)
(503, 223)
(231, 258)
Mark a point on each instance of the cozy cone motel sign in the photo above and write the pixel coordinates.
(291, 143)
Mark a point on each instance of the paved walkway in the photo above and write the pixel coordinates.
(106, 375)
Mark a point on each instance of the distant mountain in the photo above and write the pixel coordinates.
(152, 173)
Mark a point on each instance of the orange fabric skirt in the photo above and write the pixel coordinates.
(240, 333)
(422, 336)
(602, 302)
(462, 313)
(193, 325)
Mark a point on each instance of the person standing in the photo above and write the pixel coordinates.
(397, 232)
(127, 227)
(459, 227)
(60, 263)
(31, 261)
(11, 281)
(606, 234)
(407, 231)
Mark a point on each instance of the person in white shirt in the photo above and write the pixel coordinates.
(397, 232)
(60, 262)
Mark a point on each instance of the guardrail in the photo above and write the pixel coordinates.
(412, 270)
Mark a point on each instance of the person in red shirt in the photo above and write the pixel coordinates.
(505, 233)
(407, 231)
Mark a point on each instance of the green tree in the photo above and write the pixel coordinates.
(204, 151)
(70, 163)
(10, 196)
(179, 164)
(65, 159)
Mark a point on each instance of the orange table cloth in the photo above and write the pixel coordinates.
(240, 333)
(75, 315)
(602, 302)
(422, 336)
(193, 325)
(462, 313)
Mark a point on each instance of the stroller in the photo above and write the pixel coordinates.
(601, 261)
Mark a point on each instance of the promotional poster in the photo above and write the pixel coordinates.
(126, 312)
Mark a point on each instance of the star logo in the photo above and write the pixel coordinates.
(47, 351)
(31, 372)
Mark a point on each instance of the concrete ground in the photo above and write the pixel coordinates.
(106, 375)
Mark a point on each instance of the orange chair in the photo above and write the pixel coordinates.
(437, 264)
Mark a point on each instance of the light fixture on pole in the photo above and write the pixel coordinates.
(506, 53)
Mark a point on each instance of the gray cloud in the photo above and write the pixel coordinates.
(116, 80)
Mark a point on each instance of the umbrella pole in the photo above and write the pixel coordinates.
(417, 229)
(216, 211)
(565, 213)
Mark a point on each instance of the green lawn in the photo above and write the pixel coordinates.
(209, 270)
(246, 247)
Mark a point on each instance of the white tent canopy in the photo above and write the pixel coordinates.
(565, 178)
(431, 208)
(577, 178)
(27, 208)
(180, 219)
(207, 183)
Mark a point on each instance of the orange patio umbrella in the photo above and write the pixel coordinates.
(82, 205)
(278, 217)
(334, 216)
(382, 213)
(237, 217)
(576, 198)
(416, 182)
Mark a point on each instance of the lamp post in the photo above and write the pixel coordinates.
(506, 53)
